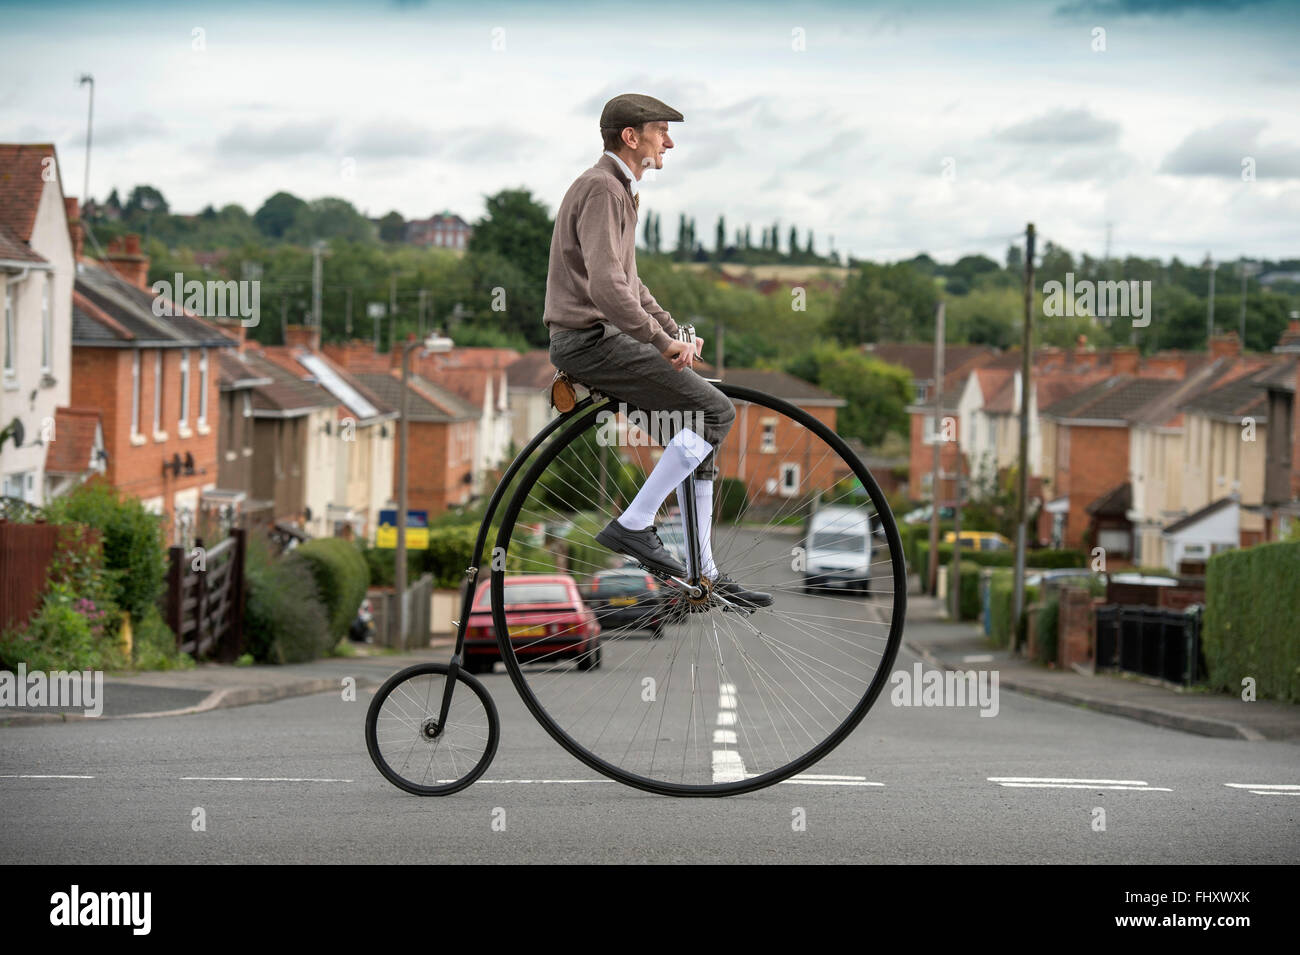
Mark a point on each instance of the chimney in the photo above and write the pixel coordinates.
(1224, 346)
(307, 336)
(74, 226)
(1165, 364)
(125, 258)
(1124, 360)
(234, 329)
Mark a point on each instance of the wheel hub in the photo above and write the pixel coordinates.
(430, 730)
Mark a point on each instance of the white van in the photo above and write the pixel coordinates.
(837, 550)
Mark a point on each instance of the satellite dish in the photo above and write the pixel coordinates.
(15, 431)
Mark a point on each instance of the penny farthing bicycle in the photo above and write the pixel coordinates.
(721, 699)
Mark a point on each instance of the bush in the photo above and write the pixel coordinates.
(154, 645)
(1252, 604)
(731, 499)
(969, 603)
(284, 618)
(342, 579)
(1047, 627)
(131, 537)
(1002, 598)
(66, 633)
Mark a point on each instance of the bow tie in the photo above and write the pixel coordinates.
(636, 202)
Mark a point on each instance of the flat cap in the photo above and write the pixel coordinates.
(633, 109)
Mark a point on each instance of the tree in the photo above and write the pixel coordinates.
(329, 218)
(147, 200)
(881, 303)
(809, 249)
(518, 228)
(392, 227)
(1015, 259)
(277, 214)
(876, 393)
(721, 237)
(794, 242)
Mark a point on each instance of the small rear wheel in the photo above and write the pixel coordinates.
(417, 751)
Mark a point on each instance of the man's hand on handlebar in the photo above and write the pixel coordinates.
(681, 354)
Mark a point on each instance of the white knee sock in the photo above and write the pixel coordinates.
(703, 522)
(683, 455)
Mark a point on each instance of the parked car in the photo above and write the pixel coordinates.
(921, 515)
(547, 619)
(627, 599)
(979, 540)
(838, 550)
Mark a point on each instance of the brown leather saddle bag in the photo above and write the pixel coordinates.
(563, 395)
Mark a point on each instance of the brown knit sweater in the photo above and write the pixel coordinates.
(591, 277)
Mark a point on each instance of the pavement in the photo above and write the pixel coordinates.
(214, 686)
(928, 634)
(962, 646)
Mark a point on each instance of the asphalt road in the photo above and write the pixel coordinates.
(936, 802)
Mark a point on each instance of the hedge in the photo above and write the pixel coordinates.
(970, 604)
(284, 618)
(1002, 597)
(342, 578)
(1252, 605)
(1047, 627)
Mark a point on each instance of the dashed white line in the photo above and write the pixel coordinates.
(260, 779)
(728, 767)
(1054, 782)
(1267, 789)
(34, 776)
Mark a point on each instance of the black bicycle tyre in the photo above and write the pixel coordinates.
(372, 721)
(582, 422)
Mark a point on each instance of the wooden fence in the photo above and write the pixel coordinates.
(25, 554)
(205, 597)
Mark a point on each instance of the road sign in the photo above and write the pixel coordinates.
(417, 530)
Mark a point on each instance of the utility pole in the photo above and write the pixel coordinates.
(317, 250)
(1209, 320)
(88, 80)
(1247, 269)
(955, 576)
(932, 571)
(1022, 479)
(392, 311)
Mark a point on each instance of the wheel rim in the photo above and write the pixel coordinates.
(724, 702)
(418, 751)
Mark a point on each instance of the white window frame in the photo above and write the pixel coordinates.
(47, 327)
(185, 390)
(789, 469)
(767, 441)
(10, 332)
(136, 436)
(203, 389)
(158, 433)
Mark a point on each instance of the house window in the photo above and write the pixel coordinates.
(157, 391)
(135, 394)
(21, 485)
(203, 387)
(768, 443)
(11, 333)
(185, 387)
(47, 327)
(789, 480)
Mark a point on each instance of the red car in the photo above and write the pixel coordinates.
(547, 619)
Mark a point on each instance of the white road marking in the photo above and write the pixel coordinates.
(728, 767)
(1054, 782)
(33, 776)
(1283, 787)
(260, 779)
(1270, 792)
(978, 658)
(831, 776)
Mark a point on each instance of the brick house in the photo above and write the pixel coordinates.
(39, 234)
(444, 231)
(528, 381)
(154, 381)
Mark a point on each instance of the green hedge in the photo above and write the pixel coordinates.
(1048, 628)
(970, 604)
(731, 499)
(1252, 609)
(285, 620)
(1002, 598)
(1036, 559)
(132, 541)
(342, 578)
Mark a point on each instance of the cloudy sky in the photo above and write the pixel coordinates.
(894, 128)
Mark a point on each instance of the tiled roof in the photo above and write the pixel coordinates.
(533, 369)
(21, 185)
(1113, 399)
(1114, 503)
(918, 357)
(993, 380)
(1243, 396)
(286, 392)
(112, 311)
(389, 389)
(779, 384)
(452, 404)
(234, 371)
(75, 430)
(15, 249)
(290, 358)
(475, 357)
(470, 383)
(1283, 376)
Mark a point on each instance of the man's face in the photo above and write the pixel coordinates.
(650, 147)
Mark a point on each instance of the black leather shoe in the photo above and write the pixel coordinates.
(643, 545)
(727, 587)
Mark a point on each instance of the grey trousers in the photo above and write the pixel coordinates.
(635, 373)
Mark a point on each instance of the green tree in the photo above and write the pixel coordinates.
(876, 393)
(881, 303)
(277, 214)
(392, 227)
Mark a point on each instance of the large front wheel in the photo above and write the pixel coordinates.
(725, 702)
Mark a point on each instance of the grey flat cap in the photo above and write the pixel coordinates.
(633, 109)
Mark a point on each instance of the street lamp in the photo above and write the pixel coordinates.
(87, 80)
(435, 343)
